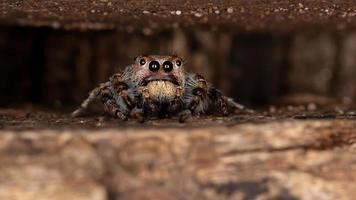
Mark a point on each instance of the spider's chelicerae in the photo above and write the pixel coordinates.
(158, 86)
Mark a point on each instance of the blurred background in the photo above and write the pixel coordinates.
(260, 53)
(58, 68)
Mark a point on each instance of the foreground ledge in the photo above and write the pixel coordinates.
(287, 159)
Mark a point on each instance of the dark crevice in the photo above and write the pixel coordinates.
(250, 189)
(112, 195)
(36, 66)
(327, 142)
(265, 149)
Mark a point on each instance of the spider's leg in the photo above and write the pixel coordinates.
(93, 95)
(138, 114)
(112, 107)
(224, 104)
(196, 98)
(139, 111)
(218, 100)
(116, 98)
(147, 102)
(113, 94)
(184, 115)
(191, 109)
(177, 103)
(202, 97)
(232, 104)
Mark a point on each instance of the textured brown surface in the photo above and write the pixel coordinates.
(256, 156)
(150, 15)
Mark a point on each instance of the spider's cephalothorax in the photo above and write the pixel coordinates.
(157, 86)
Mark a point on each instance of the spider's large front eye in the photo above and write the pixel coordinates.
(142, 61)
(154, 66)
(167, 66)
(178, 63)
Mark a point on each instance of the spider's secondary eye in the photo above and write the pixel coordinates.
(167, 66)
(142, 61)
(154, 66)
(178, 63)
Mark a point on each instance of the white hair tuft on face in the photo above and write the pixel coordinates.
(161, 90)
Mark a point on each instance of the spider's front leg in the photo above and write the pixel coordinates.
(113, 94)
(114, 105)
(224, 104)
(143, 103)
(93, 95)
(178, 99)
(201, 97)
(195, 97)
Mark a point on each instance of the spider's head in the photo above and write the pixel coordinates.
(162, 75)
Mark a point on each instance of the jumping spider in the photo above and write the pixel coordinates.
(157, 86)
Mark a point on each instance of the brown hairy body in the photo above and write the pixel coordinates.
(158, 86)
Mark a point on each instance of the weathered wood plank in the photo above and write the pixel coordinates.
(282, 159)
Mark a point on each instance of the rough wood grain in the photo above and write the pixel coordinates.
(288, 159)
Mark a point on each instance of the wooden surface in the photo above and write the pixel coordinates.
(209, 158)
(149, 15)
